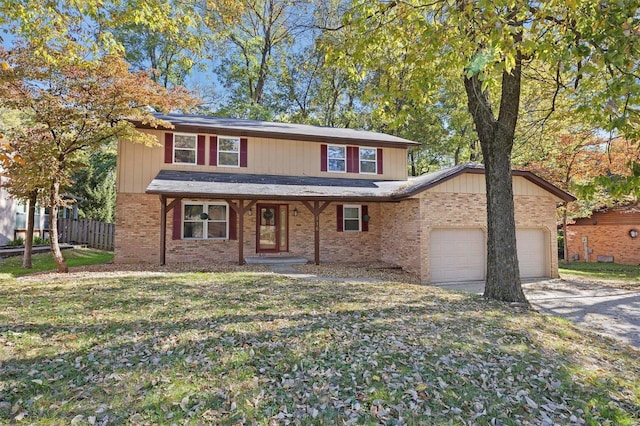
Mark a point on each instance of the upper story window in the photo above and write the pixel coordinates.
(228, 151)
(184, 149)
(351, 159)
(205, 221)
(336, 158)
(368, 160)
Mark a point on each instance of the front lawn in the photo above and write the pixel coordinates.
(246, 348)
(601, 271)
(12, 266)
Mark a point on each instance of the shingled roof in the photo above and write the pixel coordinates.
(194, 184)
(290, 131)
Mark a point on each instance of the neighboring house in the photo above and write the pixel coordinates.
(14, 216)
(220, 190)
(609, 235)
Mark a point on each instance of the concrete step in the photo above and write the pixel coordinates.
(276, 260)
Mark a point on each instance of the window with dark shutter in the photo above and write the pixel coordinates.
(339, 218)
(201, 148)
(213, 151)
(168, 148)
(243, 152)
(177, 222)
(323, 157)
(379, 159)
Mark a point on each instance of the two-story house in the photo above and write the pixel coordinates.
(221, 190)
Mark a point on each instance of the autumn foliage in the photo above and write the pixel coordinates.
(70, 104)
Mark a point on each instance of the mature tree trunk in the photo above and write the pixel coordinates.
(53, 228)
(496, 141)
(28, 240)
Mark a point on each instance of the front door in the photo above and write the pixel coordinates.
(273, 228)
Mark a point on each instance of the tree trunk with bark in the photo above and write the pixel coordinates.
(496, 141)
(28, 240)
(53, 228)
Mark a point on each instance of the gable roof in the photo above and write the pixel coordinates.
(429, 180)
(304, 132)
(194, 184)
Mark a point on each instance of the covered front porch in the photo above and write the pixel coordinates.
(313, 218)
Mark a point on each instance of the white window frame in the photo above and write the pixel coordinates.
(344, 147)
(344, 217)
(195, 149)
(205, 222)
(374, 161)
(228, 152)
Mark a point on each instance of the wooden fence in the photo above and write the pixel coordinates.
(87, 232)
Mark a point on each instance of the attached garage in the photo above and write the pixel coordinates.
(533, 251)
(457, 254)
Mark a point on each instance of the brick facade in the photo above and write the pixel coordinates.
(603, 240)
(398, 232)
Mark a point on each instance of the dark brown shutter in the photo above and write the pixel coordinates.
(364, 211)
(213, 151)
(353, 159)
(177, 221)
(201, 144)
(243, 152)
(340, 217)
(233, 224)
(168, 148)
(323, 158)
(379, 158)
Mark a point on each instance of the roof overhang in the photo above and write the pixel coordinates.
(194, 184)
(287, 131)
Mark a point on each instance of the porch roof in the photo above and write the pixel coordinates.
(193, 184)
(180, 183)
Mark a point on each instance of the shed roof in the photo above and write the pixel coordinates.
(240, 127)
(194, 184)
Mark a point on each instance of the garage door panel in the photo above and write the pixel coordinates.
(532, 253)
(457, 255)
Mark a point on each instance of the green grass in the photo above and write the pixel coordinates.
(12, 266)
(243, 348)
(604, 271)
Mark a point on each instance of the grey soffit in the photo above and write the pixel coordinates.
(239, 127)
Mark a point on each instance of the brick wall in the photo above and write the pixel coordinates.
(400, 234)
(137, 236)
(604, 240)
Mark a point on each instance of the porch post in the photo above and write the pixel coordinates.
(240, 210)
(163, 228)
(316, 210)
(240, 232)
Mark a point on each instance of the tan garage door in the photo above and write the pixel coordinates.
(457, 255)
(532, 253)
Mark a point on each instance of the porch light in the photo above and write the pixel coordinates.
(204, 216)
(633, 233)
(295, 211)
(366, 218)
(250, 211)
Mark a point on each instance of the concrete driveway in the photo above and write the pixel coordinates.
(606, 310)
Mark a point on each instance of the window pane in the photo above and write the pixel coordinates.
(228, 159)
(193, 230)
(192, 211)
(351, 213)
(351, 225)
(183, 156)
(184, 141)
(217, 212)
(336, 165)
(217, 230)
(336, 152)
(225, 144)
(368, 167)
(367, 154)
